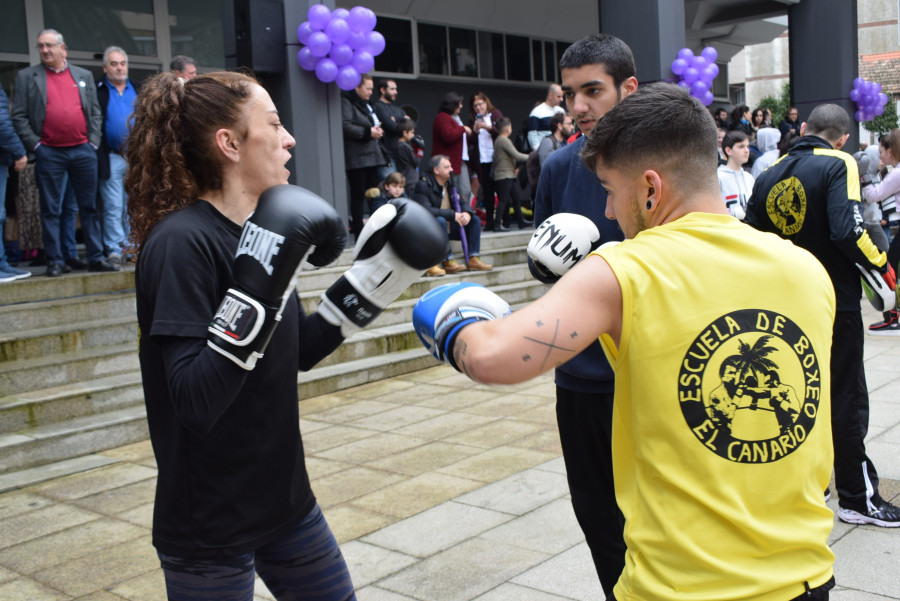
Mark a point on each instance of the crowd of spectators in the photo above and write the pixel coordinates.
(67, 166)
(64, 135)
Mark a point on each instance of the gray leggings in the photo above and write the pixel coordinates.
(304, 564)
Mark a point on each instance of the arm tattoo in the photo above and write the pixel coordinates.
(551, 344)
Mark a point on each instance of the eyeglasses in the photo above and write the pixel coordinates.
(47, 46)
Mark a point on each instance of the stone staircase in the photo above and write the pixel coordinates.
(70, 382)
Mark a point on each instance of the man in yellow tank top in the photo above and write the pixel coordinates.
(720, 339)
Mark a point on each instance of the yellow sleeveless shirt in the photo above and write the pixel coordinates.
(722, 423)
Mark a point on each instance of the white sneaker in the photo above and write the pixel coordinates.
(886, 516)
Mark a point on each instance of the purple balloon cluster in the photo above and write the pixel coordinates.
(869, 99)
(696, 73)
(339, 46)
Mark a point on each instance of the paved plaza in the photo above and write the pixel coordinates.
(438, 489)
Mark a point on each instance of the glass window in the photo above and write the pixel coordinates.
(560, 49)
(398, 53)
(92, 25)
(433, 49)
(550, 61)
(490, 54)
(537, 60)
(518, 58)
(8, 71)
(12, 28)
(465, 52)
(720, 83)
(196, 30)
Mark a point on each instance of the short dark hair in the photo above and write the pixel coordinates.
(406, 124)
(556, 120)
(601, 49)
(435, 160)
(450, 102)
(829, 121)
(178, 63)
(383, 83)
(787, 142)
(661, 124)
(735, 136)
(503, 123)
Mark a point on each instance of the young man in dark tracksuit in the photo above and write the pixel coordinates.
(597, 72)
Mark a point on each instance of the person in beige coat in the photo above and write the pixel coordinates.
(505, 158)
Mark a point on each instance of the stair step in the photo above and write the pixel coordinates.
(80, 436)
(323, 277)
(83, 435)
(62, 311)
(60, 403)
(79, 283)
(64, 368)
(72, 337)
(324, 379)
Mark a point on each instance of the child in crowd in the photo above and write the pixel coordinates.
(735, 183)
(405, 156)
(392, 187)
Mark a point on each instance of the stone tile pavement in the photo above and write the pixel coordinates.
(437, 488)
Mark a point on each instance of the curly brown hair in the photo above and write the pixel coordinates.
(170, 149)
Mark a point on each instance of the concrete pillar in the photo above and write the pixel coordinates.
(824, 56)
(311, 112)
(654, 29)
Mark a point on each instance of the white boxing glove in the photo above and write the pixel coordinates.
(398, 243)
(879, 288)
(560, 242)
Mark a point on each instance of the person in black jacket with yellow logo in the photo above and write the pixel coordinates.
(811, 197)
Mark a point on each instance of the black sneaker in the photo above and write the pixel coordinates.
(103, 265)
(827, 494)
(888, 327)
(76, 263)
(886, 516)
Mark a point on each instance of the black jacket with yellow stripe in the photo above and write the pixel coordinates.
(811, 197)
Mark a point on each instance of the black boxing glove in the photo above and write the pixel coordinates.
(289, 224)
(398, 243)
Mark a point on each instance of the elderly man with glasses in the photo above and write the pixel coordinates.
(57, 116)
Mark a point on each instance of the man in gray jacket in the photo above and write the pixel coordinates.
(57, 116)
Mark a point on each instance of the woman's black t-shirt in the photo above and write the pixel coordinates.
(227, 440)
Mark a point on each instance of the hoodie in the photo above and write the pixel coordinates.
(767, 139)
(736, 187)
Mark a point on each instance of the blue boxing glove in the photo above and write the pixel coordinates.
(444, 311)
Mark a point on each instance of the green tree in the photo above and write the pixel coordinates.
(886, 121)
(778, 106)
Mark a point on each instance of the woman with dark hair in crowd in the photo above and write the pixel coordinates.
(449, 139)
(740, 119)
(483, 122)
(757, 121)
(219, 239)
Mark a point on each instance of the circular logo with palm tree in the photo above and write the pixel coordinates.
(786, 205)
(750, 386)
